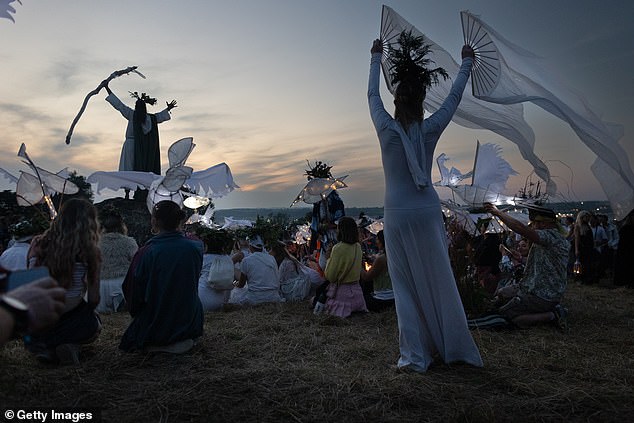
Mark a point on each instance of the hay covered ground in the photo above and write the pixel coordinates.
(279, 363)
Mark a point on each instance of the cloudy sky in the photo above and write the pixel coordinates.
(265, 85)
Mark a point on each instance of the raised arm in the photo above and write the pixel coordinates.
(443, 115)
(380, 117)
(513, 224)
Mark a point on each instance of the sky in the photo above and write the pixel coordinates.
(265, 85)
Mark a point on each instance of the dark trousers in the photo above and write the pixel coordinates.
(77, 326)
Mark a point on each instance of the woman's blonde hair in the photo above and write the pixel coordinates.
(72, 237)
(581, 215)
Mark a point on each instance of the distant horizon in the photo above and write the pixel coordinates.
(289, 86)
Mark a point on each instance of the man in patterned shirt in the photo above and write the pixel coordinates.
(536, 299)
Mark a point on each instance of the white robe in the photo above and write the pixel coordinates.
(431, 318)
(126, 162)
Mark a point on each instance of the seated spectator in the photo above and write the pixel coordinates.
(259, 273)
(295, 284)
(117, 250)
(32, 307)
(218, 271)
(379, 295)
(161, 288)
(536, 299)
(70, 250)
(15, 257)
(343, 271)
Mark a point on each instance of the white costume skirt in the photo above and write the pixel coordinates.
(431, 318)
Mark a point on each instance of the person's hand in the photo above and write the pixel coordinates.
(467, 51)
(377, 46)
(490, 208)
(45, 300)
(104, 84)
(171, 104)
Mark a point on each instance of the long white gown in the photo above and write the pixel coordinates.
(431, 318)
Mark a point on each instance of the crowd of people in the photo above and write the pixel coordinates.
(169, 283)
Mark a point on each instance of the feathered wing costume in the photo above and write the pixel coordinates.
(213, 182)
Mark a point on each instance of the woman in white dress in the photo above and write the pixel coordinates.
(218, 272)
(431, 318)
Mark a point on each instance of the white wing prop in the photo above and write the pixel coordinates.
(213, 182)
(502, 119)
(115, 181)
(32, 189)
(521, 76)
(449, 176)
(6, 9)
(317, 189)
(490, 169)
(490, 174)
(216, 181)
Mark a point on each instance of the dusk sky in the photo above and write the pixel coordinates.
(265, 85)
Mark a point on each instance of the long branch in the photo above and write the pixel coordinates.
(103, 83)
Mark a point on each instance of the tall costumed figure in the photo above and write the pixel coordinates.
(327, 210)
(431, 319)
(141, 149)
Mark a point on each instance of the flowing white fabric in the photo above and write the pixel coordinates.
(6, 9)
(526, 77)
(504, 120)
(619, 193)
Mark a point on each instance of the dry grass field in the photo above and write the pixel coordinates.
(280, 363)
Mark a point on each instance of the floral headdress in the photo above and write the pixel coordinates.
(143, 97)
(408, 62)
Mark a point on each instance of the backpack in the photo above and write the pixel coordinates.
(221, 273)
